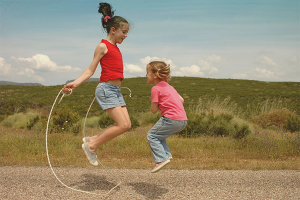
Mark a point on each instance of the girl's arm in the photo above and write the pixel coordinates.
(100, 51)
(154, 107)
(182, 100)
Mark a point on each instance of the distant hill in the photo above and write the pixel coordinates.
(246, 94)
(14, 83)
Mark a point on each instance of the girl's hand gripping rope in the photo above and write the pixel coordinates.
(65, 93)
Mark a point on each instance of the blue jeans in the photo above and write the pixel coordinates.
(157, 135)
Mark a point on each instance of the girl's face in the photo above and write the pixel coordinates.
(121, 33)
(150, 76)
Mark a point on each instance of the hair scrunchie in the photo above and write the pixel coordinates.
(106, 18)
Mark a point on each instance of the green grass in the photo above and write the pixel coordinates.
(264, 149)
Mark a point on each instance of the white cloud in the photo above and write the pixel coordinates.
(193, 71)
(266, 61)
(43, 63)
(33, 69)
(31, 74)
(134, 69)
(149, 59)
(5, 68)
(264, 73)
(206, 67)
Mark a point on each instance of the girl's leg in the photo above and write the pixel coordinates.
(160, 131)
(121, 117)
(157, 137)
(95, 136)
(166, 148)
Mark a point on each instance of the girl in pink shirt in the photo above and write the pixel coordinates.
(173, 117)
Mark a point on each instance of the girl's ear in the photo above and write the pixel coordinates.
(113, 30)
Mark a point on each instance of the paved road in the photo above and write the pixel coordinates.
(40, 183)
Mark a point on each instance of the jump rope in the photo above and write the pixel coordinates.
(49, 117)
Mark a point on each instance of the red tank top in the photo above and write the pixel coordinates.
(111, 63)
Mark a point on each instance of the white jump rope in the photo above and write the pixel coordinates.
(63, 95)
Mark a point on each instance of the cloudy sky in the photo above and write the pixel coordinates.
(52, 41)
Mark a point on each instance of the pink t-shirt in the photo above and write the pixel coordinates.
(168, 100)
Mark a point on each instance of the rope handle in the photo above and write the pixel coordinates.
(65, 94)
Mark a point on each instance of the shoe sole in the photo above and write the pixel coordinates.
(86, 155)
(160, 167)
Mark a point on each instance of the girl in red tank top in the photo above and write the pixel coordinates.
(108, 91)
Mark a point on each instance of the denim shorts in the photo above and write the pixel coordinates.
(109, 96)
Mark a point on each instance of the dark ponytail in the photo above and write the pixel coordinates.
(108, 19)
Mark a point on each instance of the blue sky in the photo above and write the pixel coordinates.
(52, 41)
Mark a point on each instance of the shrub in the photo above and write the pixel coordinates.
(241, 131)
(279, 119)
(210, 123)
(21, 120)
(64, 118)
(196, 125)
(134, 122)
(292, 123)
(32, 122)
(76, 128)
(91, 122)
(106, 121)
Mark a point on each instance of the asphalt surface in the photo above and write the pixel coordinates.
(40, 183)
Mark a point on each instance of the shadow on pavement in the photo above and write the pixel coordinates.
(93, 182)
(150, 191)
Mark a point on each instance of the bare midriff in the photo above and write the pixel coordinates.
(116, 82)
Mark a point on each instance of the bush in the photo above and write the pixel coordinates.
(21, 120)
(292, 123)
(64, 119)
(279, 119)
(91, 122)
(106, 121)
(32, 122)
(134, 122)
(213, 124)
(241, 131)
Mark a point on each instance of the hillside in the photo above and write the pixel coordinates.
(14, 83)
(14, 98)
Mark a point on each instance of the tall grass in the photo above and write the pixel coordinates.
(268, 105)
(215, 105)
(20, 120)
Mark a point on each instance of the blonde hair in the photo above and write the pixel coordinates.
(161, 69)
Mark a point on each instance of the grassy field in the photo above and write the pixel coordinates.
(263, 106)
(263, 150)
(245, 93)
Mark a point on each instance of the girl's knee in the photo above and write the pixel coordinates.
(125, 127)
(150, 136)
